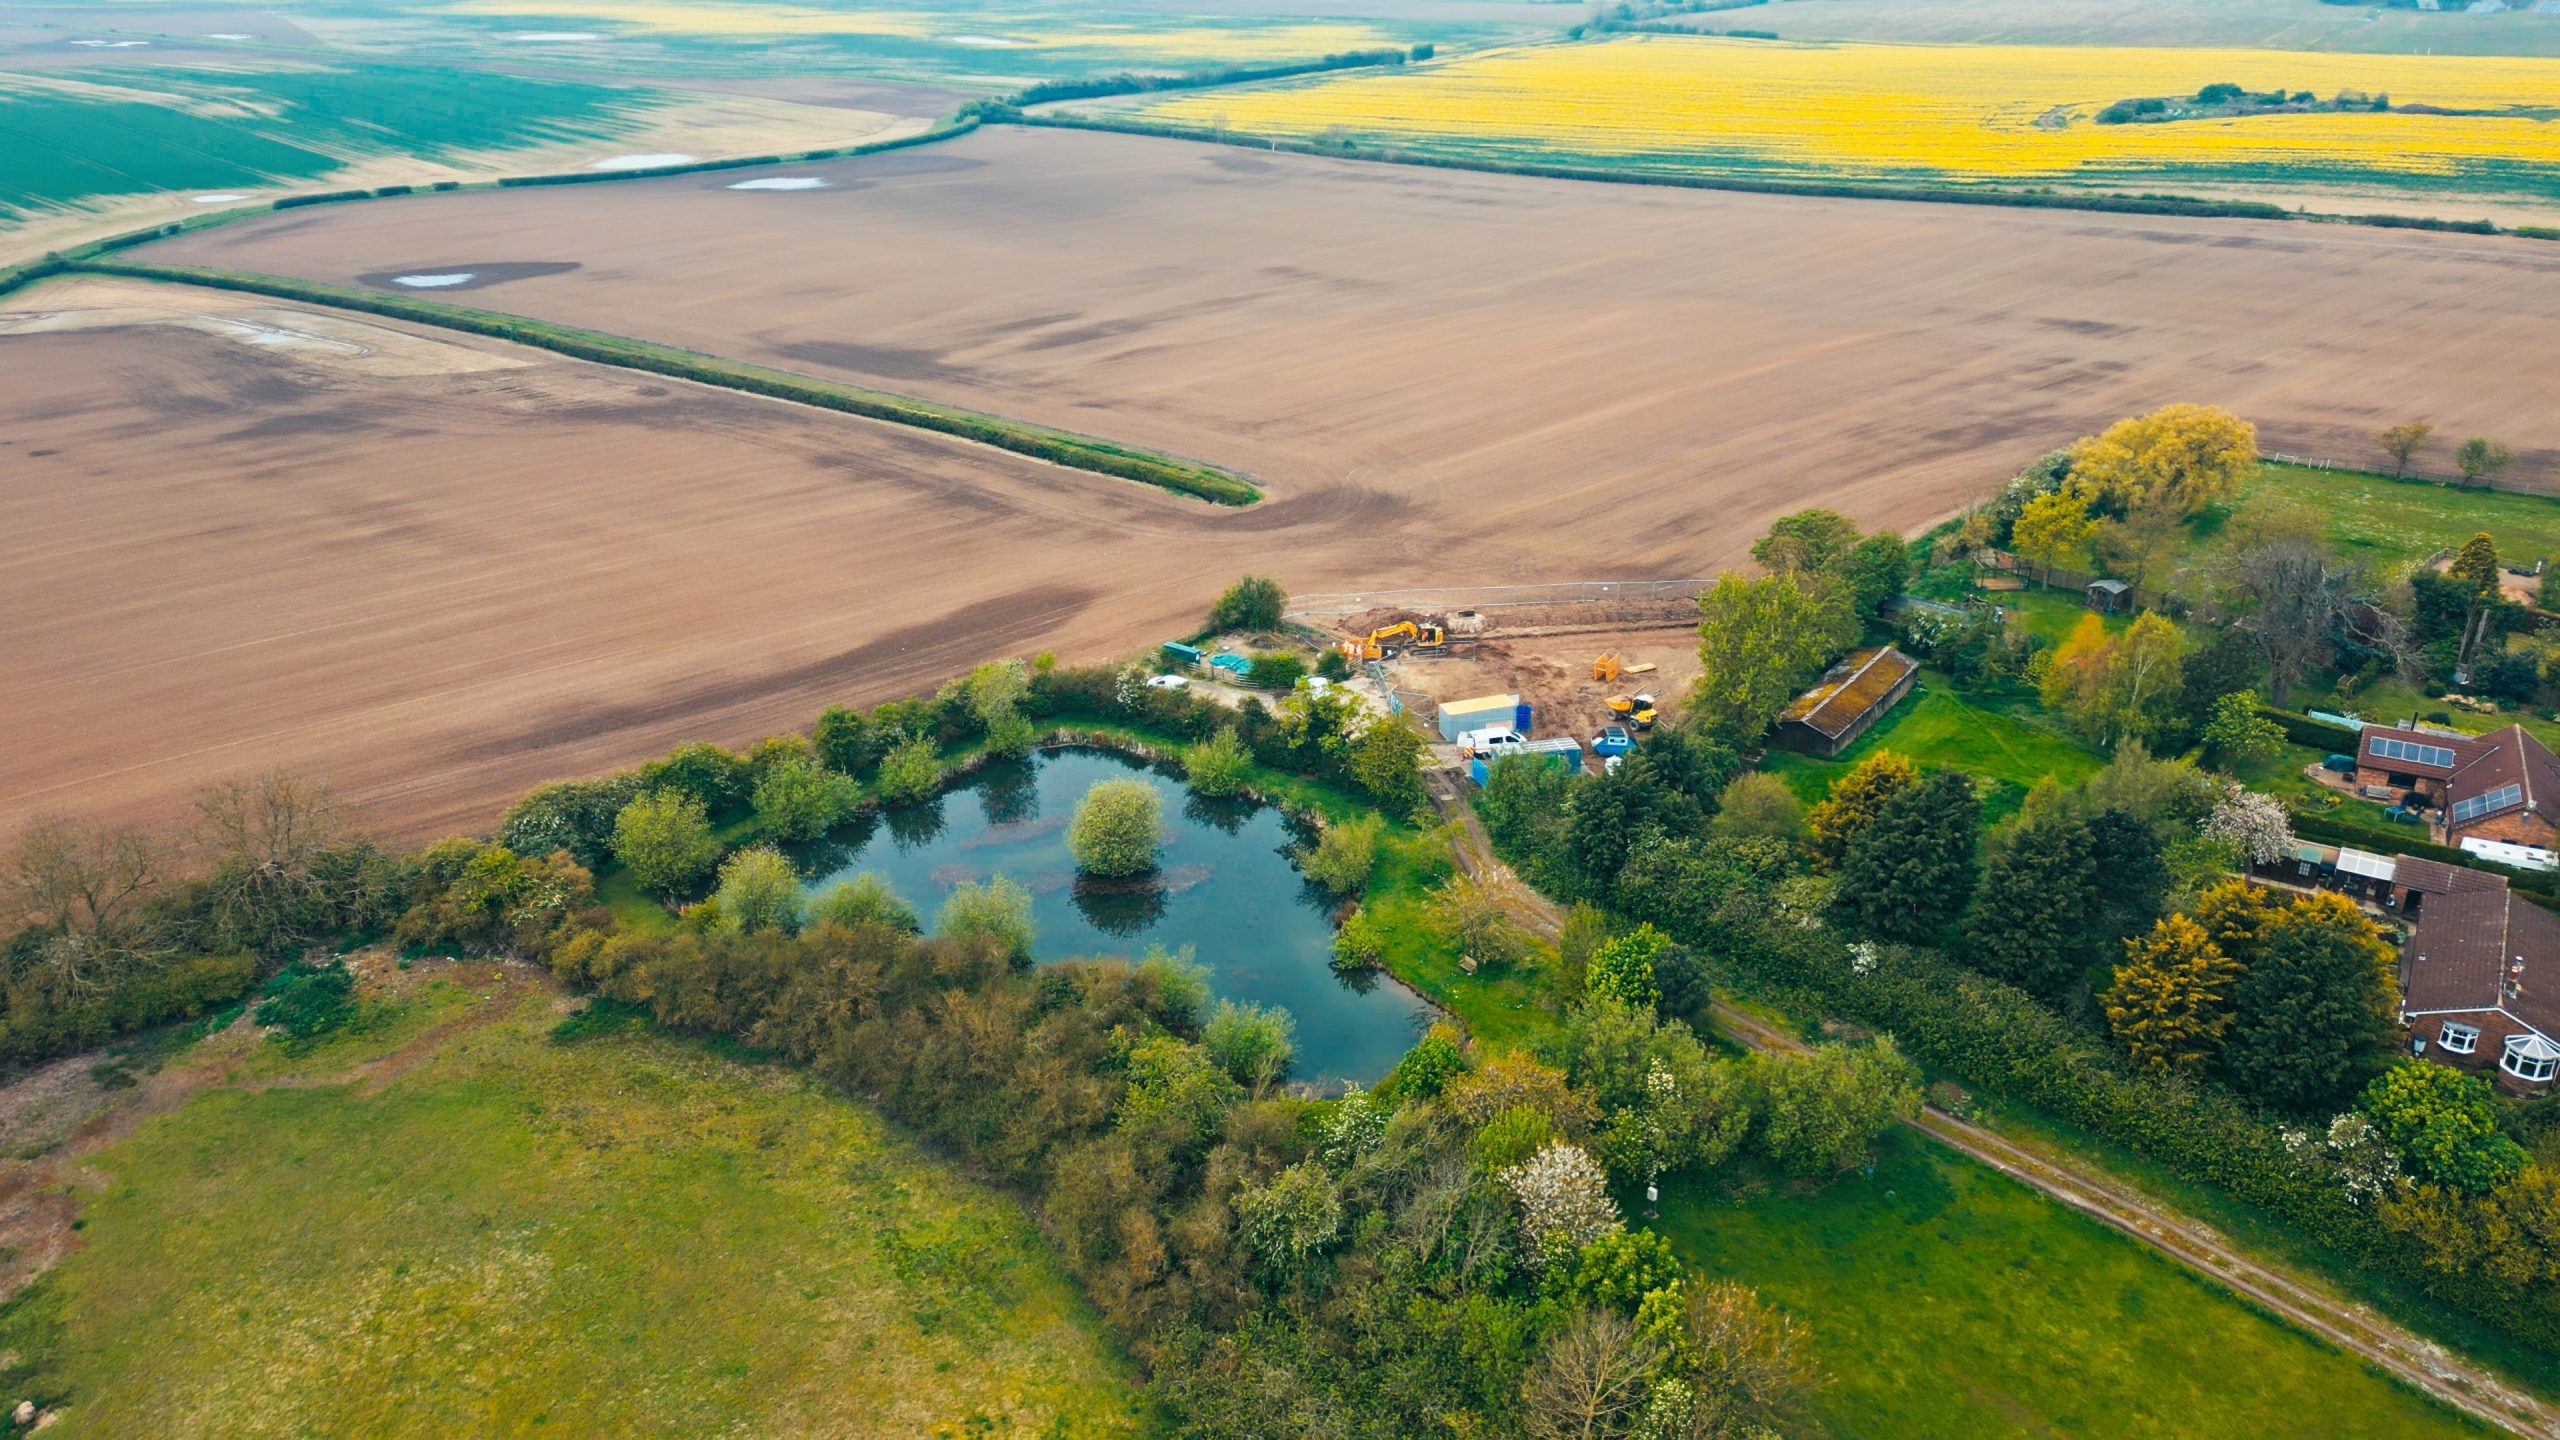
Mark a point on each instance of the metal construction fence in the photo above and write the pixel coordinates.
(1496, 597)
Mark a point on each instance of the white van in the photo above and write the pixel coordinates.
(1490, 741)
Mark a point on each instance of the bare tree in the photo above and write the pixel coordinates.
(2299, 600)
(85, 884)
(265, 836)
(1753, 1364)
(1591, 1382)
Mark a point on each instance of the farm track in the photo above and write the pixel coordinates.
(2297, 1298)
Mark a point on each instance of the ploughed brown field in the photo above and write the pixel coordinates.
(1511, 360)
(439, 573)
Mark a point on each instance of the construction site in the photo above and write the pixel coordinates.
(1547, 663)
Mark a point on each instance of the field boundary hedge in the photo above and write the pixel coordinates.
(1059, 447)
(1847, 190)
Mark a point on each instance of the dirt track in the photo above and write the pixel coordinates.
(1516, 360)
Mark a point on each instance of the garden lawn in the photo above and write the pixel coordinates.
(1949, 1301)
(499, 1231)
(2011, 745)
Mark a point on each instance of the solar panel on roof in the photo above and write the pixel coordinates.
(2473, 807)
(2435, 755)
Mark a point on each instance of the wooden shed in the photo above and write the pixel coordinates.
(1830, 717)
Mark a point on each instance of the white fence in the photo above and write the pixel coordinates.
(1496, 597)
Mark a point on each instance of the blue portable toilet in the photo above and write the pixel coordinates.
(1520, 718)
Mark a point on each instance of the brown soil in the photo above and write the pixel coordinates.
(1638, 374)
(439, 584)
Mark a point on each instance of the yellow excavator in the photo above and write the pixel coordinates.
(1637, 710)
(1387, 643)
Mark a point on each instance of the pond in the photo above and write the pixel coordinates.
(1226, 888)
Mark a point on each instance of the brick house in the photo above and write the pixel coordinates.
(2480, 978)
(2502, 788)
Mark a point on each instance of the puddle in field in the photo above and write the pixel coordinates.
(222, 199)
(229, 35)
(112, 44)
(541, 37)
(987, 42)
(640, 162)
(782, 182)
(468, 275)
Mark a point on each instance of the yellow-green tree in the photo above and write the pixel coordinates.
(1852, 804)
(2476, 566)
(2235, 915)
(1759, 642)
(2170, 1001)
(2117, 687)
(2184, 457)
(2055, 530)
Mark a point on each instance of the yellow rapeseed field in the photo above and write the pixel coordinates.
(1987, 113)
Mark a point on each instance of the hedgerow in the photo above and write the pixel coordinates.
(1056, 446)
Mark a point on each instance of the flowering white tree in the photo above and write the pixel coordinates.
(2367, 1165)
(1564, 1200)
(2254, 822)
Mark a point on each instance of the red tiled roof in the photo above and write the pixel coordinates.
(2434, 877)
(2486, 950)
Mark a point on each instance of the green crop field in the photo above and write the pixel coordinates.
(1949, 1301)
(459, 1224)
(139, 131)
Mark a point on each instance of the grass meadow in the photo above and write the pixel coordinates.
(1988, 115)
(457, 1223)
(1957, 1303)
(2006, 745)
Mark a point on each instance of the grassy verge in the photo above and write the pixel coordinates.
(519, 1234)
(1060, 447)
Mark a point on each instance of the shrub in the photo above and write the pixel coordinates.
(1622, 970)
(306, 1001)
(1217, 765)
(759, 891)
(1333, 665)
(664, 837)
(1250, 1042)
(572, 815)
(1276, 670)
(1345, 855)
(999, 910)
(718, 778)
(866, 899)
(1428, 1067)
(799, 799)
(1252, 603)
(1511, 1136)
(1361, 943)
(911, 771)
(1118, 829)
